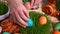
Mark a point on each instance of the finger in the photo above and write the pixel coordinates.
(21, 25)
(32, 2)
(19, 18)
(18, 15)
(36, 2)
(23, 16)
(18, 9)
(15, 21)
(21, 13)
(26, 11)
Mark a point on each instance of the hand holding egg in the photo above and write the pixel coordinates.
(30, 23)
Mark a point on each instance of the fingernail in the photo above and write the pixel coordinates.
(28, 17)
(26, 24)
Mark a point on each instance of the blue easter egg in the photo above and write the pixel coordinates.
(30, 23)
(5, 33)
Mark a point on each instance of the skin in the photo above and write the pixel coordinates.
(35, 2)
(20, 12)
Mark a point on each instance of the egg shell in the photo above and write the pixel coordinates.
(30, 23)
(42, 20)
(27, 5)
(56, 32)
(5, 33)
(57, 26)
(0, 29)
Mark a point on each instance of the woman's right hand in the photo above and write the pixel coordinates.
(20, 12)
(35, 2)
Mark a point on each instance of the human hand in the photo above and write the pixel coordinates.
(20, 12)
(35, 2)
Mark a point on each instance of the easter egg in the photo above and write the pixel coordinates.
(56, 32)
(0, 29)
(42, 20)
(30, 22)
(5, 33)
(27, 5)
(57, 26)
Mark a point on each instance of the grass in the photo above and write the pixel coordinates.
(37, 28)
(3, 8)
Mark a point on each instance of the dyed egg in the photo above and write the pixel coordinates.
(27, 5)
(30, 23)
(57, 26)
(42, 20)
(56, 32)
(5, 33)
(0, 29)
